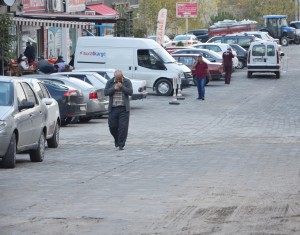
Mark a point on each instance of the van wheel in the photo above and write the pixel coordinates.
(277, 74)
(249, 74)
(9, 159)
(37, 155)
(240, 65)
(164, 87)
(284, 41)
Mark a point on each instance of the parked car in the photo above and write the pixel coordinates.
(264, 57)
(139, 86)
(220, 48)
(242, 40)
(167, 41)
(241, 55)
(201, 34)
(22, 121)
(53, 117)
(210, 55)
(175, 48)
(92, 96)
(186, 39)
(215, 69)
(70, 100)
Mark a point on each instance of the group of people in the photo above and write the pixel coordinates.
(201, 71)
(27, 60)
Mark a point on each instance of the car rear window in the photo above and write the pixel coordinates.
(258, 50)
(6, 93)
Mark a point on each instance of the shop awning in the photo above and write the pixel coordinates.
(52, 23)
(102, 9)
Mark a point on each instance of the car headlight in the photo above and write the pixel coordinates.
(3, 124)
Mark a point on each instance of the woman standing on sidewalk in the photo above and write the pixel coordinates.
(201, 70)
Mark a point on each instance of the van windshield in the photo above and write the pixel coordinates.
(164, 55)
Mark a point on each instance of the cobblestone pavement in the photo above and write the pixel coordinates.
(226, 165)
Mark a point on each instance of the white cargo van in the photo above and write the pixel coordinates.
(138, 59)
(264, 57)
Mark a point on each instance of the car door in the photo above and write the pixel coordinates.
(38, 114)
(23, 119)
(52, 108)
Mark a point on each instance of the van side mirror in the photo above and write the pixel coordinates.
(281, 54)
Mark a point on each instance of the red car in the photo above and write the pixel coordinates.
(215, 69)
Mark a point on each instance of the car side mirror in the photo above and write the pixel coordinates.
(281, 54)
(26, 105)
(47, 101)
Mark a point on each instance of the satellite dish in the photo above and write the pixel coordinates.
(7, 2)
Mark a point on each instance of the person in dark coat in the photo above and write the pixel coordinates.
(29, 52)
(118, 89)
(227, 64)
(44, 66)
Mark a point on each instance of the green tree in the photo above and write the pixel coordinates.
(7, 39)
(221, 16)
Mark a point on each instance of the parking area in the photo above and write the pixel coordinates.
(226, 165)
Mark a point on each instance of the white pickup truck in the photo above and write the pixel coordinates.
(139, 86)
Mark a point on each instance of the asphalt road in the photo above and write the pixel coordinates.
(226, 165)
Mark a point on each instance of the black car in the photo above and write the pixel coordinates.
(70, 101)
(241, 55)
(201, 34)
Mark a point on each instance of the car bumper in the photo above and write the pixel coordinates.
(263, 68)
(139, 96)
(76, 110)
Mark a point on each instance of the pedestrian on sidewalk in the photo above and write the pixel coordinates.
(201, 71)
(227, 64)
(118, 89)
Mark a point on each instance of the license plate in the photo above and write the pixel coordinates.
(83, 108)
(258, 60)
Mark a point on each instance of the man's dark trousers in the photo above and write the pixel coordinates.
(118, 122)
(228, 72)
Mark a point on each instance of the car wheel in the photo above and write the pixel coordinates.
(37, 155)
(277, 74)
(84, 119)
(65, 121)
(9, 159)
(164, 87)
(249, 74)
(297, 40)
(284, 41)
(54, 140)
(240, 65)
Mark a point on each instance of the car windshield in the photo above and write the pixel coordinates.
(215, 54)
(182, 37)
(164, 55)
(6, 94)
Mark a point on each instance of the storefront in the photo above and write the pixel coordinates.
(53, 26)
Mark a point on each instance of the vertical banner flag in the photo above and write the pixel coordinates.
(161, 25)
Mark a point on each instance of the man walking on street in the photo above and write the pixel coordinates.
(118, 89)
(201, 71)
(227, 63)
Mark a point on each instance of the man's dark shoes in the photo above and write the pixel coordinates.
(199, 98)
(121, 148)
(116, 144)
(203, 98)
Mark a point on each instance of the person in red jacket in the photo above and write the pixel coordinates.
(201, 71)
(227, 64)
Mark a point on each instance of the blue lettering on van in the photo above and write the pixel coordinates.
(93, 53)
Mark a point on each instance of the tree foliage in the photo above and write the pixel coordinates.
(7, 37)
(222, 16)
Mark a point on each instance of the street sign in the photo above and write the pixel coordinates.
(186, 9)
